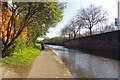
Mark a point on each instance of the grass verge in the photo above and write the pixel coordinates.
(22, 57)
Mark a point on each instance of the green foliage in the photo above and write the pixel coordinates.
(21, 55)
(37, 17)
(56, 40)
(37, 46)
(48, 16)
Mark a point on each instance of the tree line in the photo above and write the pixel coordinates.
(35, 17)
(92, 20)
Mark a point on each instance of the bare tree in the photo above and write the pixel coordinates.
(102, 28)
(72, 28)
(66, 31)
(79, 25)
(63, 32)
(91, 16)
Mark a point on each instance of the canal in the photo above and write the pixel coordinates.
(83, 65)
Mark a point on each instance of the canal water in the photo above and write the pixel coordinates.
(82, 65)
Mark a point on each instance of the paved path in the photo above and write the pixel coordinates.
(48, 65)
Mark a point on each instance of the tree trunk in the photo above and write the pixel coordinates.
(74, 35)
(6, 48)
(69, 36)
(79, 34)
(4, 51)
(90, 30)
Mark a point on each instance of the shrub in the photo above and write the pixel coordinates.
(21, 55)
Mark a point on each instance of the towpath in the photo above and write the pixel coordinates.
(48, 65)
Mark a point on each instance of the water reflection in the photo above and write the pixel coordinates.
(82, 65)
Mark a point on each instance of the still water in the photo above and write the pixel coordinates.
(82, 65)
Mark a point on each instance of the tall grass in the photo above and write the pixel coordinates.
(21, 55)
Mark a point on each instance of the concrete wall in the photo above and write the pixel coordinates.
(105, 44)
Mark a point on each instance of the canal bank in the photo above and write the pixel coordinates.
(46, 65)
(105, 44)
(84, 65)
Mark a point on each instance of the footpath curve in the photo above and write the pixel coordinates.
(48, 65)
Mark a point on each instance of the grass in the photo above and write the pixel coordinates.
(22, 56)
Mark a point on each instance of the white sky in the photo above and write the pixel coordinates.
(72, 7)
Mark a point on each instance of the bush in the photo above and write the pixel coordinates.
(21, 55)
(37, 46)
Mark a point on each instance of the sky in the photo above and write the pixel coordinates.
(74, 5)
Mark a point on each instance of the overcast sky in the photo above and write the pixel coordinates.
(74, 5)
